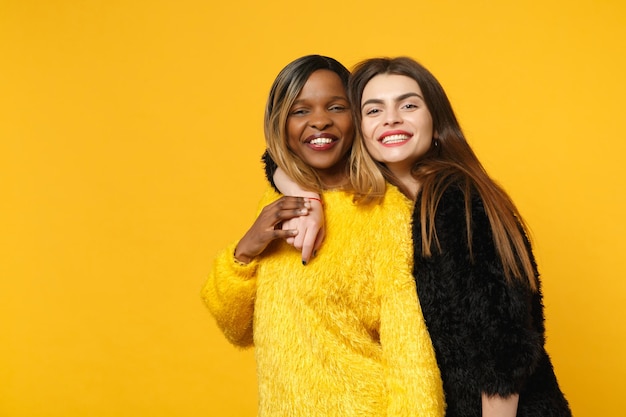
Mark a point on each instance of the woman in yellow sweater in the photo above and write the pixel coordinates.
(343, 335)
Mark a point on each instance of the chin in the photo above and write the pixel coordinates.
(395, 159)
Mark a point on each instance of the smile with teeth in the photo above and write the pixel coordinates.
(394, 139)
(320, 141)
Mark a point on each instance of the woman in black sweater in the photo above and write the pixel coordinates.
(475, 272)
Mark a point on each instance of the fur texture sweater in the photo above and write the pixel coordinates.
(488, 333)
(343, 335)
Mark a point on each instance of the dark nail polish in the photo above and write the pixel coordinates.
(303, 262)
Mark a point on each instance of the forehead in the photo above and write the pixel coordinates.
(322, 83)
(390, 85)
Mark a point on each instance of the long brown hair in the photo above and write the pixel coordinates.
(452, 161)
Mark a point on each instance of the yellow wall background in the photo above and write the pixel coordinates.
(130, 137)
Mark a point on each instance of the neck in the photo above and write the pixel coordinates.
(330, 182)
(402, 172)
(335, 176)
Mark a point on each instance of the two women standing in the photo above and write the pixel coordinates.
(343, 335)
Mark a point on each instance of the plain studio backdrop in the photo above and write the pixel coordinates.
(130, 140)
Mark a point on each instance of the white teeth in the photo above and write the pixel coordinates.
(394, 139)
(321, 141)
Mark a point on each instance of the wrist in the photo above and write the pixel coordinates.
(319, 200)
(241, 257)
(308, 194)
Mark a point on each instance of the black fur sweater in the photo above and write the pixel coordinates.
(488, 333)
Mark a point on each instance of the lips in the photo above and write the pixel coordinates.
(394, 137)
(321, 141)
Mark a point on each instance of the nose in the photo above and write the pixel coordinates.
(320, 120)
(392, 117)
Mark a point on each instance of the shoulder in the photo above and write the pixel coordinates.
(396, 202)
(382, 230)
(456, 199)
(389, 218)
(395, 196)
(454, 207)
(393, 202)
(459, 221)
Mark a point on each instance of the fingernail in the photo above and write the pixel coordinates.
(303, 262)
(314, 253)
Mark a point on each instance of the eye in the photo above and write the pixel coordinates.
(410, 106)
(337, 108)
(371, 112)
(298, 112)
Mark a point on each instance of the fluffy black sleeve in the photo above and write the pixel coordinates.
(270, 168)
(484, 328)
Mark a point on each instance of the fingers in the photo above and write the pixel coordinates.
(293, 219)
(307, 247)
(305, 238)
(302, 231)
(291, 224)
(319, 239)
(312, 243)
(309, 238)
(287, 208)
(284, 234)
(266, 227)
(291, 203)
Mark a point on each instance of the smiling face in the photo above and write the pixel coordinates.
(319, 126)
(396, 124)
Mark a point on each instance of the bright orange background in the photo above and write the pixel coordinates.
(131, 133)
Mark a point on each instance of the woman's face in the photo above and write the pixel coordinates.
(319, 126)
(397, 125)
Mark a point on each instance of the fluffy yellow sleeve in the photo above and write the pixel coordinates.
(229, 294)
(230, 290)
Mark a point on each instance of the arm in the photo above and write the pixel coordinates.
(264, 230)
(231, 286)
(481, 322)
(497, 406)
(229, 294)
(310, 228)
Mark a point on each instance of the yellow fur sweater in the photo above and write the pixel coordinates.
(343, 335)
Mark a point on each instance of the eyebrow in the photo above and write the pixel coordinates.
(332, 98)
(399, 98)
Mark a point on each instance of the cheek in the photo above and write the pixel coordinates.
(345, 123)
(428, 125)
(293, 131)
(291, 127)
(368, 130)
(369, 146)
